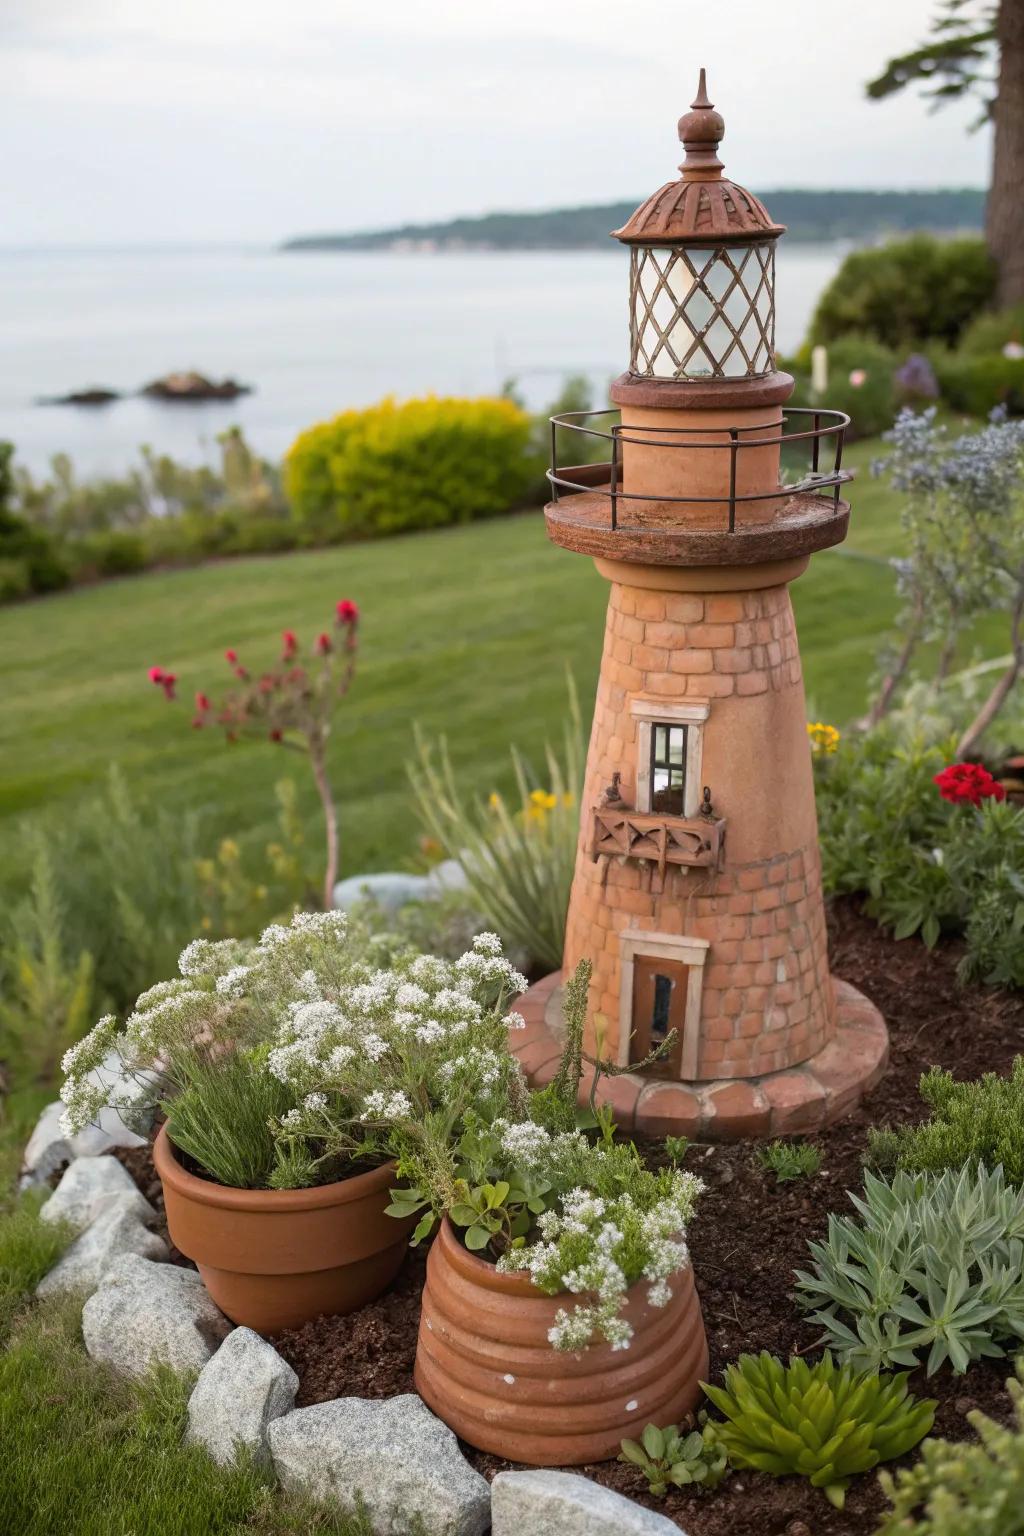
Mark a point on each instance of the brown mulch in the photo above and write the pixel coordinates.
(747, 1239)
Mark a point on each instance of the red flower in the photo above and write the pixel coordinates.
(291, 644)
(241, 673)
(167, 683)
(276, 735)
(156, 675)
(347, 612)
(323, 644)
(231, 655)
(198, 722)
(202, 703)
(968, 784)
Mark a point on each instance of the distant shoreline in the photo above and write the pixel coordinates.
(810, 217)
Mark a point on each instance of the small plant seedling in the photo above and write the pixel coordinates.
(669, 1456)
(789, 1160)
(676, 1148)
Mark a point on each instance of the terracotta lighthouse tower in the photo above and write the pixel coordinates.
(697, 890)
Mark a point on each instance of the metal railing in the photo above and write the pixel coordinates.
(827, 427)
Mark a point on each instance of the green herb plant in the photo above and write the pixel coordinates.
(789, 1160)
(676, 1457)
(967, 1489)
(970, 1123)
(822, 1422)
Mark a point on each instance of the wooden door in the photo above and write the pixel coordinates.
(659, 1006)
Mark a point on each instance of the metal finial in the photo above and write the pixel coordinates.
(701, 130)
(702, 99)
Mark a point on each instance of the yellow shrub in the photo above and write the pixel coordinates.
(421, 464)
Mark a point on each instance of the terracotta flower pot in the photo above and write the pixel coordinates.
(274, 1259)
(485, 1366)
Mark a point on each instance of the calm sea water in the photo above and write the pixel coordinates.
(313, 334)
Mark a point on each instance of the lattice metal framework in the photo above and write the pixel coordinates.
(699, 312)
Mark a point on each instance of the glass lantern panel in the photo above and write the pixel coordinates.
(700, 312)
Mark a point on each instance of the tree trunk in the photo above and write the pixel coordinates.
(1003, 688)
(1004, 218)
(891, 682)
(316, 758)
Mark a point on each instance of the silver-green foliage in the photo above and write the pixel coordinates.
(935, 1263)
(822, 1422)
(966, 1489)
(668, 1456)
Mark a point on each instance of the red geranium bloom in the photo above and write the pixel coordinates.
(291, 644)
(156, 675)
(323, 644)
(347, 612)
(968, 784)
(231, 655)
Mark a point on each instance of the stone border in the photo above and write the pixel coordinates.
(797, 1100)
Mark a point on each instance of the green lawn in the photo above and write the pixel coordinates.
(468, 631)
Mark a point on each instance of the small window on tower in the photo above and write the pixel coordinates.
(668, 768)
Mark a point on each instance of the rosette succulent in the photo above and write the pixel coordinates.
(823, 1422)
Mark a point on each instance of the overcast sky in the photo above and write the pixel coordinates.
(213, 120)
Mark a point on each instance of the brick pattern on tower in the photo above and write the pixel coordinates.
(767, 1001)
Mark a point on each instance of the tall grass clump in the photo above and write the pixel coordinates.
(517, 857)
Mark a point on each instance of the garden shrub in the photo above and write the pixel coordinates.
(925, 866)
(907, 291)
(971, 1123)
(974, 1488)
(936, 1263)
(30, 556)
(861, 382)
(423, 464)
(992, 331)
(979, 384)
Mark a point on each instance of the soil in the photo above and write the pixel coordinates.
(748, 1236)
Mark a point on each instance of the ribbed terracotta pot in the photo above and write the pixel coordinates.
(274, 1259)
(485, 1366)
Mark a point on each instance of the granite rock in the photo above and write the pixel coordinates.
(88, 1186)
(243, 1388)
(144, 1312)
(393, 1454)
(546, 1503)
(115, 1232)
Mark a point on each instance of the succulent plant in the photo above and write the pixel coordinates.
(822, 1422)
(673, 1456)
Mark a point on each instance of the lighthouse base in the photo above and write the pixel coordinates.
(798, 1100)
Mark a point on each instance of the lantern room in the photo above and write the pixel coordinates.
(702, 268)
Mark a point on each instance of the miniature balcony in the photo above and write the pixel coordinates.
(602, 509)
(624, 834)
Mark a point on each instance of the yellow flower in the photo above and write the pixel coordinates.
(824, 738)
(206, 923)
(543, 800)
(494, 800)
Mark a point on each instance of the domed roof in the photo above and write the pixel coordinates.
(701, 206)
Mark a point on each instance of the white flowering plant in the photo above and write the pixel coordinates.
(284, 1063)
(529, 1190)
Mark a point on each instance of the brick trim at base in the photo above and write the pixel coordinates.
(800, 1099)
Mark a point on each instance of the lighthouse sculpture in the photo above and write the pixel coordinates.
(697, 887)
